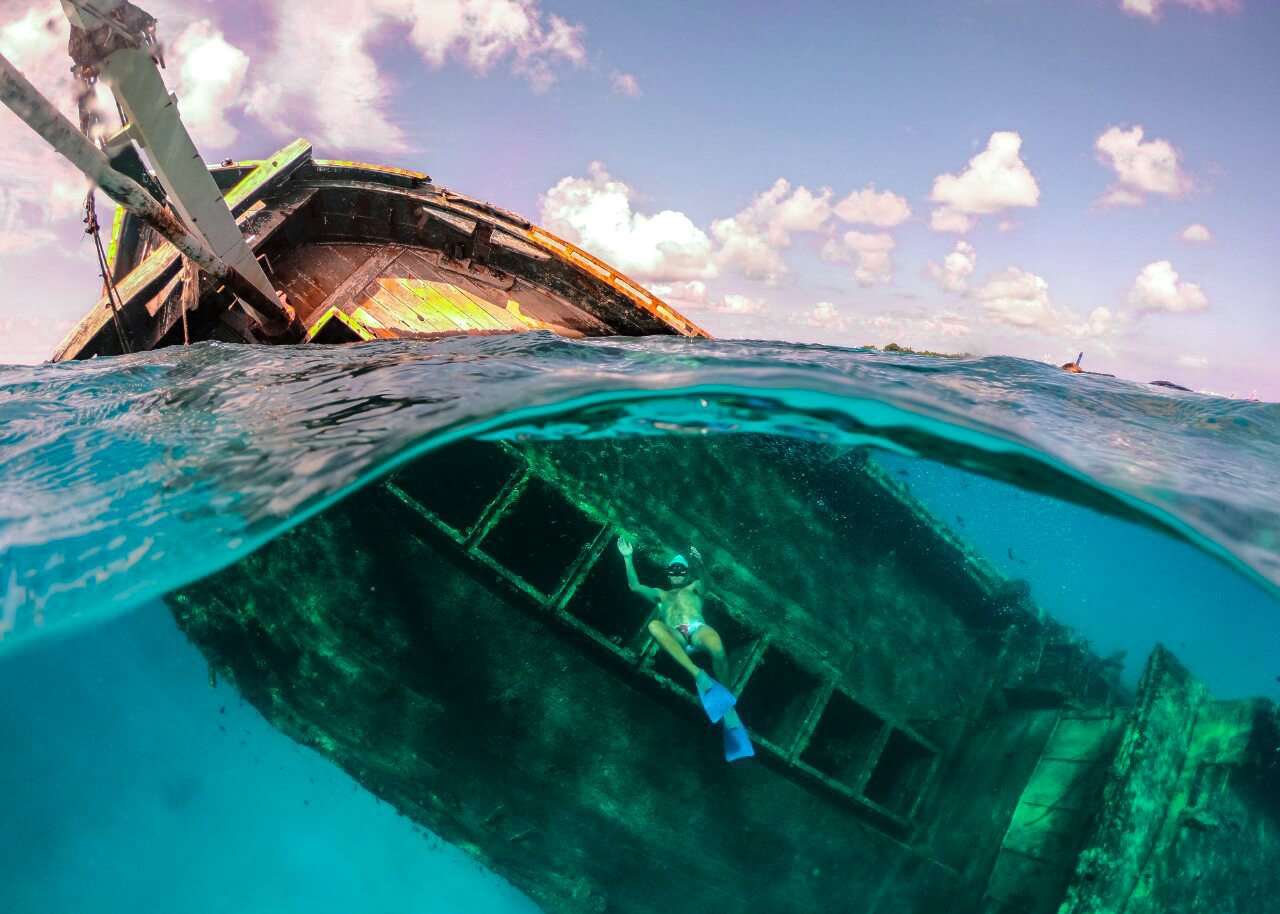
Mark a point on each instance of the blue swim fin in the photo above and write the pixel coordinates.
(736, 742)
(716, 699)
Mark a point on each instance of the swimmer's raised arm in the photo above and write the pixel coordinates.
(704, 574)
(649, 593)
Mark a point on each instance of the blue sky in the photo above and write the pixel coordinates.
(1022, 177)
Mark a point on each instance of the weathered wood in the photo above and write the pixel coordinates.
(521, 286)
(163, 263)
(268, 175)
(494, 316)
(356, 281)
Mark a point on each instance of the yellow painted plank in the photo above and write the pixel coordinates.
(504, 319)
(427, 300)
(367, 319)
(435, 294)
(400, 316)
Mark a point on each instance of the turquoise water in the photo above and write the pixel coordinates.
(1137, 515)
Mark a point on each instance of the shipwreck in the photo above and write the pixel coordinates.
(460, 639)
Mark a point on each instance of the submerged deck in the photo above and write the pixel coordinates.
(464, 644)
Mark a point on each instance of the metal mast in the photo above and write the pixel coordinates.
(45, 119)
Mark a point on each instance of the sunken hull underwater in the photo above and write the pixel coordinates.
(460, 639)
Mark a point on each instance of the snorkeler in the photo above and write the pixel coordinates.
(680, 630)
(1074, 367)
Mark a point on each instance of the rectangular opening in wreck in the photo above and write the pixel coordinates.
(605, 603)
(900, 775)
(458, 482)
(739, 638)
(1059, 662)
(843, 741)
(540, 536)
(778, 697)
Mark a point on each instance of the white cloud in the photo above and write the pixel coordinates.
(480, 33)
(875, 265)
(1020, 298)
(690, 295)
(1017, 297)
(1141, 166)
(1151, 9)
(38, 188)
(872, 207)
(209, 77)
(737, 304)
(1193, 361)
(826, 316)
(1158, 288)
(752, 241)
(320, 79)
(17, 234)
(1196, 234)
(945, 219)
(995, 179)
(939, 331)
(955, 269)
(920, 330)
(626, 84)
(1118, 195)
(596, 213)
(30, 340)
(1146, 8)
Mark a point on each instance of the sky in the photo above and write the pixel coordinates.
(1035, 178)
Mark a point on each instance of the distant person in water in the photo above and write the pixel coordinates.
(1074, 366)
(680, 630)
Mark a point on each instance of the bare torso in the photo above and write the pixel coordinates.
(681, 604)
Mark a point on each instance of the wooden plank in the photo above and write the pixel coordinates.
(355, 283)
(428, 301)
(404, 315)
(543, 306)
(490, 300)
(386, 310)
(325, 272)
(1081, 740)
(367, 304)
(270, 173)
(505, 318)
(304, 295)
(366, 319)
(429, 294)
(162, 264)
(467, 304)
(350, 256)
(430, 304)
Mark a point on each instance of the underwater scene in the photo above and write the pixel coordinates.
(523, 623)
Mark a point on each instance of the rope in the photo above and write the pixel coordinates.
(88, 121)
(113, 294)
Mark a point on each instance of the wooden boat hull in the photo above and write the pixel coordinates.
(365, 252)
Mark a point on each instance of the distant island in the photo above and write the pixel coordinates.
(894, 347)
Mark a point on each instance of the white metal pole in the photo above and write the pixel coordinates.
(44, 118)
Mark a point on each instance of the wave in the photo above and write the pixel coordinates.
(125, 478)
